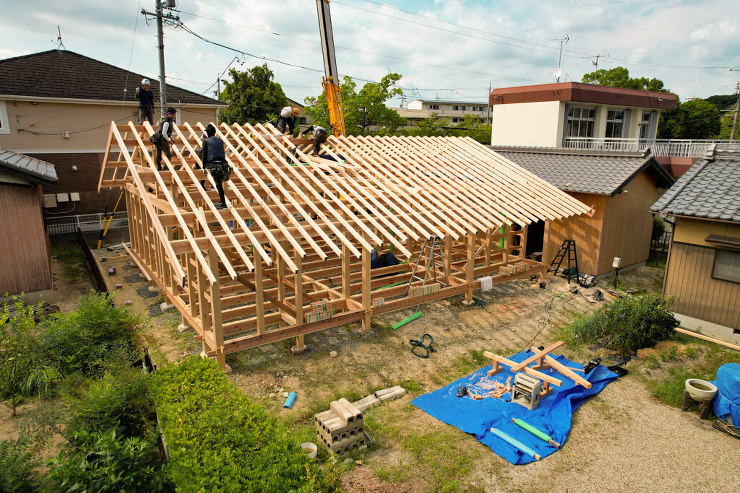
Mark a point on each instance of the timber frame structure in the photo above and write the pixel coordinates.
(292, 253)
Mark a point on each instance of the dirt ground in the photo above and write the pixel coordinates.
(622, 439)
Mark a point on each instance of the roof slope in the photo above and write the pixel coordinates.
(65, 74)
(709, 189)
(598, 172)
(33, 169)
(373, 190)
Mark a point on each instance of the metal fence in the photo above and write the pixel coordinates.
(659, 147)
(84, 222)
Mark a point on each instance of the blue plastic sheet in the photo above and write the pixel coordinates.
(727, 401)
(477, 417)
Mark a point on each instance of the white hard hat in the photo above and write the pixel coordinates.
(145, 82)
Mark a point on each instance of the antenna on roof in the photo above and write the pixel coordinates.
(595, 59)
(559, 72)
(60, 45)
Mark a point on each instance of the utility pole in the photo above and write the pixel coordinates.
(161, 16)
(488, 107)
(737, 108)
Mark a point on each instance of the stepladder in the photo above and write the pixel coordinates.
(431, 260)
(567, 249)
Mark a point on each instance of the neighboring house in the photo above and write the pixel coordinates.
(26, 257)
(58, 106)
(418, 110)
(703, 268)
(620, 187)
(575, 115)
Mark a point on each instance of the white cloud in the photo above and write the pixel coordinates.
(502, 42)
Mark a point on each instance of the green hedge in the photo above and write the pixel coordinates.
(628, 324)
(219, 440)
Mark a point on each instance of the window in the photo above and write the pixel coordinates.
(455, 108)
(462, 108)
(647, 125)
(456, 119)
(580, 121)
(4, 123)
(433, 106)
(614, 124)
(727, 266)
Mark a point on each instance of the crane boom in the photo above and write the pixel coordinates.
(330, 81)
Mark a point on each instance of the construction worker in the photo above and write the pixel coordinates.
(319, 136)
(214, 160)
(288, 117)
(162, 144)
(146, 102)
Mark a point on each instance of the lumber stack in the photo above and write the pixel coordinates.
(510, 269)
(427, 289)
(320, 311)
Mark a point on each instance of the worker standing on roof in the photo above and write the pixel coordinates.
(164, 137)
(214, 160)
(288, 117)
(146, 102)
(319, 136)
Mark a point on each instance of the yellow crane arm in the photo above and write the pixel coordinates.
(330, 81)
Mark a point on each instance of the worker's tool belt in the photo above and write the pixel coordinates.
(220, 169)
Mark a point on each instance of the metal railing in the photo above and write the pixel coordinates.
(83, 222)
(691, 148)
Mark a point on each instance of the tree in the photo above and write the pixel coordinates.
(695, 119)
(252, 96)
(365, 111)
(620, 77)
(471, 126)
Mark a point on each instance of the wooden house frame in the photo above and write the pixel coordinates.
(292, 253)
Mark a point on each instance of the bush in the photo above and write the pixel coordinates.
(628, 324)
(90, 338)
(107, 462)
(18, 464)
(20, 354)
(119, 402)
(219, 440)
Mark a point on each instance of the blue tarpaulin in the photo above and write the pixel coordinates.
(477, 417)
(727, 401)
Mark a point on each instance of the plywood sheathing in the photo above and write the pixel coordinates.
(300, 229)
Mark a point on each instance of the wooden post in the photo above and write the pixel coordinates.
(280, 286)
(346, 271)
(366, 295)
(448, 254)
(470, 267)
(507, 243)
(489, 235)
(523, 243)
(300, 344)
(259, 295)
(216, 320)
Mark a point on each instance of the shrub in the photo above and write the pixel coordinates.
(18, 464)
(107, 462)
(119, 402)
(628, 324)
(89, 338)
(20, 353)
(219, 440)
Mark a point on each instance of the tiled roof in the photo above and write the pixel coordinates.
(65, 74)
(709, 189)
(29, 167)
(598, 172)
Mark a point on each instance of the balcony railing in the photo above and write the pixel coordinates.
(659, 147)
(86, 222)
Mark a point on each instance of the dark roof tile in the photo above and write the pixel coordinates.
(65, 74)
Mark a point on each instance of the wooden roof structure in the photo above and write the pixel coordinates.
(300, 229)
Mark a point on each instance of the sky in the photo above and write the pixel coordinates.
(448, 50)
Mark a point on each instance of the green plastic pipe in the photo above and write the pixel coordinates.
(534, 431)
(516, 443)
(406, 320)
(391, 285)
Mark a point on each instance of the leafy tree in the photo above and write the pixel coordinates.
(695, 119)
(620, 77)
(365, 111)
(471, 126)
(723, 101)
(252, 95)
(428, 127)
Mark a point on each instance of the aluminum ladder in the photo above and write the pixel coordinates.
(434, 260)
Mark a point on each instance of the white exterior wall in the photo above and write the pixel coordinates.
(528, 124)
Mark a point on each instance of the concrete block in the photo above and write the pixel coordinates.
(345, 410)
(366, 402)
(390, 394)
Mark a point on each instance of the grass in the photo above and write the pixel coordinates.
(71, 256)
(697, 360)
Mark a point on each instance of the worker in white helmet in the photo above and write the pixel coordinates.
(146, 102)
